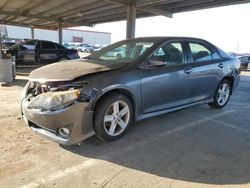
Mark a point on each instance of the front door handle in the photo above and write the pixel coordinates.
(221, 65)
(188, 70)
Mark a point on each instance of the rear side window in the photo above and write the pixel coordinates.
(200, 53)
(58, 46)
(48, 45)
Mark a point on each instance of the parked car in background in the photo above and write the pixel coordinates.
(85, 48)
(97, 48)
(245, 62)
(116, 53)
(41, 51)
(104, 93)
(72, 46)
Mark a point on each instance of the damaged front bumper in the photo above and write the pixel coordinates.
(76, 118)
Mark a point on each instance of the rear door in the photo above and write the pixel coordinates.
(207, 66)
(166, 86)
(48, 52)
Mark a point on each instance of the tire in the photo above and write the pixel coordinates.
(222, 95)
(112, 117)
(63, 58)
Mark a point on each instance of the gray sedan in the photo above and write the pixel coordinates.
(104, 93)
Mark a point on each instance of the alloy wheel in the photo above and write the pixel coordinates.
(223, 94)
(116, 118)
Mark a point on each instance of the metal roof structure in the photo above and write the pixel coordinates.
(53, 14)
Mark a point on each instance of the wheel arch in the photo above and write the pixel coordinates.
(122, 91)
(62, 56)
(231, 80)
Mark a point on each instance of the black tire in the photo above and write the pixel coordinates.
(100, 127)
(62, 58)
(216, 102)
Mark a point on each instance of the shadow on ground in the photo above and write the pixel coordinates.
(24, 70)
(19, 82)
(182, 146)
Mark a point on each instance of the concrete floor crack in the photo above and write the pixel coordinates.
(108, 180)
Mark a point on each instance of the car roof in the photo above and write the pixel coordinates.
(165, 38)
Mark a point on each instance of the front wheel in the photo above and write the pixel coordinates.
(113, 115)
(222, 95)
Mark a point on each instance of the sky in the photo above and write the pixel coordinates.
(226, 27)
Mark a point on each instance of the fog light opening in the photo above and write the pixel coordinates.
(64, 132)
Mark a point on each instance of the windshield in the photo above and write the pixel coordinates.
(124, 52)
(28, 45)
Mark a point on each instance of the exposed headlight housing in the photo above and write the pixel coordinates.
(53, 101)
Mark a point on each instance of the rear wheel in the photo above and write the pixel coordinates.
(113, 116)
(63, 58)
(222, 95)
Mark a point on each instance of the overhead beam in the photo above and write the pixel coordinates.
(27, 25)
(17, 14)
(157, 11)
(154, 2)
(103, 13)
(36, 4)
(22, 8)
(67, 3)
(4, 4)
(118, 17)
(149, 9)
(80, 9)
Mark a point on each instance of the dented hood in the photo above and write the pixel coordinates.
(69, 70)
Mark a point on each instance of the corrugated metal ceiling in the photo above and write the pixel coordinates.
(48, 13)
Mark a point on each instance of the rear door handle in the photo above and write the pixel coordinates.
(221, 65)
(188, 70)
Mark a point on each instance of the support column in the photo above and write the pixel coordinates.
(32, 33)
(1, 45)
(131, 18)
(60, 34)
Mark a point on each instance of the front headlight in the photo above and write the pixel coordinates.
(54, 100)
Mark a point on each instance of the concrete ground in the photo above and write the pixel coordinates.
(195, 147)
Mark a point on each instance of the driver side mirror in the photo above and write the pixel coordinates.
(155, 62)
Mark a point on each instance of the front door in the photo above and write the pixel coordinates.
(48, 52)
(166, 79)
(26, 52)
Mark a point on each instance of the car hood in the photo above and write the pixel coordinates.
(69, 70)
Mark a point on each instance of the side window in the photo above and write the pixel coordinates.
(30, 45)
(58, 46)
(170, 53)
(201, 53)
(48, 45)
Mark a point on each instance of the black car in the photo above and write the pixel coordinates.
(41, 51)
(245, 61)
